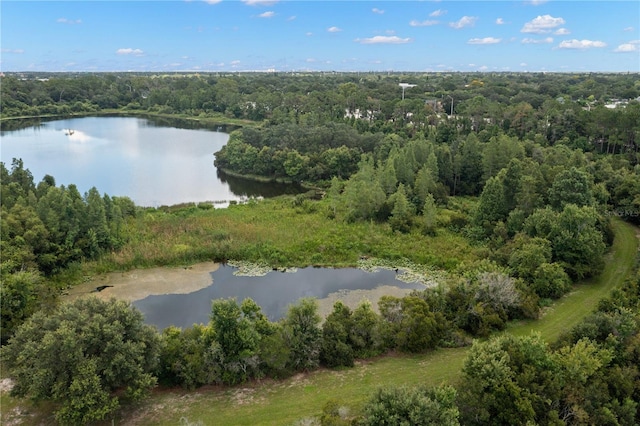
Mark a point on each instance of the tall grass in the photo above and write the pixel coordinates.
(278, 233)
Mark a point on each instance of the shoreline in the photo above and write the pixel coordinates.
(138, 284)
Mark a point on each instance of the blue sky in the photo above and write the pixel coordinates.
(364, 35)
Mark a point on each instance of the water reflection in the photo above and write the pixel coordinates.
(152, 162)
(248, 188)
(274, 292)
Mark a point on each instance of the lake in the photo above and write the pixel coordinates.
(274, 292)
(153, 164)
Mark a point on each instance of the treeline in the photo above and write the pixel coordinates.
(543, 212)
(240, 344)
(45, 228)
(554, 108)
(296, 153)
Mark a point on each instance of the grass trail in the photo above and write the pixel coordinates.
(303, 396)
(572, 308)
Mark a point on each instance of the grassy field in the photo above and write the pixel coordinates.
(303, 396)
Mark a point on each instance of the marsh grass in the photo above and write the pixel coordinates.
(277, 233)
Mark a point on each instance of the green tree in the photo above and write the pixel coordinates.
(492, 206)
(424, 185)
(402, 212)
(404, 406)
(467, 162)
(550, 280)
(18, 300)
(509, 380)
(577, 243)
(237, 335)
(183, 357)
(363, 194)
(429, 215)
(336, 349)
(571, 186)
(410, 324)
(294, 165)
(528, 254)
(301, 327)
(95, 222)
(364, 333)
(582, 365)
(87, 357)
(387, 177)
(498, 152)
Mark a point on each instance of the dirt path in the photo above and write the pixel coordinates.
(140, 283)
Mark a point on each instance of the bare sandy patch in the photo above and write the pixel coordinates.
(140, 283)
(6, 385)
(353, 298)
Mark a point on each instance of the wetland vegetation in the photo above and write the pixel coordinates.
(512, 204)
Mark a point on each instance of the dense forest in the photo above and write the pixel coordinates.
(526, 171)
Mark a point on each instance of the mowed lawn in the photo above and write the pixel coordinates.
(303, 396)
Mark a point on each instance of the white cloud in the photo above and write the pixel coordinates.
(212, 1)
(378, 11)
(562, 31)
(536, 2)
(383, 40)
(542, 24)
(308, 34)
(486, 40)
(16, 51)
(499, 21)
(235, 63)
(260, 2)
(537, 40)
(269, 14)
(632, 46)
(292, 18)
(130, 51)
(69, 21)
(580, 44)
(465, 21)
(334, 29)
(628, 29)
(523, 64)
(438, 12)
(426, 23)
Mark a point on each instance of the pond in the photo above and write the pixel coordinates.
(274, 292)
(153, 163)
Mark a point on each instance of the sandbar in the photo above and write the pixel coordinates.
(140, 283)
